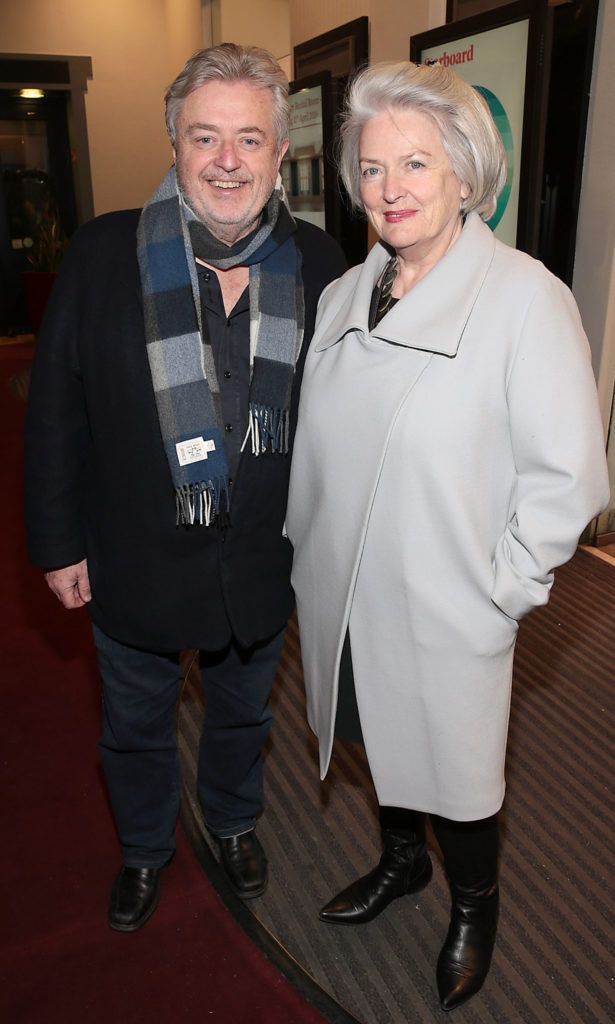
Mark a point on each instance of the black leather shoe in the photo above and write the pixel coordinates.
(134, 898)
(404, 867)
(245, 864)
(465, 958)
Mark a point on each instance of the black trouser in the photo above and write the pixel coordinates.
(138, 741)
(469, 848)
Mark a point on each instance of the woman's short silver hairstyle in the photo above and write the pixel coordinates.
(231, 63)
(469, 135)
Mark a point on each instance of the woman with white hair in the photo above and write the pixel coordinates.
(449, 454)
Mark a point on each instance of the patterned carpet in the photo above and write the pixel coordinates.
(553, 960)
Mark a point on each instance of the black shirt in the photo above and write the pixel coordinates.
(230, 343)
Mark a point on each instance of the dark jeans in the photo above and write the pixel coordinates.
(138, 743)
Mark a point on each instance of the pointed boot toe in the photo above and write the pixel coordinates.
(456, 985)
(348, 907)
(465, 957)
(365, 899)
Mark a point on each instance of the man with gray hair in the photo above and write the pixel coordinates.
(161, 416)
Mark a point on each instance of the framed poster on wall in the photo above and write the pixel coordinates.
(306, 171)
(338, 51)
(334, 55)
(503, 53)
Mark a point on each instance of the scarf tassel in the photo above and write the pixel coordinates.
(204, 503)
(268, 429)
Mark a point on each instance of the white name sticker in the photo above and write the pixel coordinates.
(195, 449)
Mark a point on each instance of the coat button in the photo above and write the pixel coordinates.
(228, 427)
(227, 374)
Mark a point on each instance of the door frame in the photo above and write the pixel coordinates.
(70, 74)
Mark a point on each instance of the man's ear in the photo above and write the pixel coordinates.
(282, 151)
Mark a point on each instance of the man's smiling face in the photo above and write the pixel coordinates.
(226, 155)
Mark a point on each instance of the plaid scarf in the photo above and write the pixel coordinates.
(169, 236)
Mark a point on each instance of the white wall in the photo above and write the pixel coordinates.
(137, 47)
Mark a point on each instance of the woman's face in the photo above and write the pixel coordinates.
(408, 188)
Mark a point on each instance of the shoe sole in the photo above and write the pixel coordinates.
(254, 894)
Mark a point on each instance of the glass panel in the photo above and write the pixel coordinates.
(23, 144)
(303, 165)
(24, 163)
(337, 57)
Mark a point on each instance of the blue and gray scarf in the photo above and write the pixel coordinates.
(169, 237)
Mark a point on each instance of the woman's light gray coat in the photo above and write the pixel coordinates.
(444, 464)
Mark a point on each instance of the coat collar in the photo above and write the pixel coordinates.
(433, 315)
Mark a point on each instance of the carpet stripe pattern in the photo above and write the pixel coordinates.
(554, 956)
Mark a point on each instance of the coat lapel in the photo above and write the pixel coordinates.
(420, 320)
(352, 305)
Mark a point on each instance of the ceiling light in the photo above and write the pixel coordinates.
(31, 94)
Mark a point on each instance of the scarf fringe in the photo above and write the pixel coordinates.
(268, 430)
(206, 504)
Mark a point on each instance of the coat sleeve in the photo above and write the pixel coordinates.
(57, 434)
(558, 448)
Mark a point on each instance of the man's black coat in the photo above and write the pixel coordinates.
(97, 480)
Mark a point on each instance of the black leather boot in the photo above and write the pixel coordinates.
(404, 867)
(470, 858)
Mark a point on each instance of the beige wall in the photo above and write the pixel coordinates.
(184, 31)
(391, 22)
(253, 23)
(312, 19)
(137, 47)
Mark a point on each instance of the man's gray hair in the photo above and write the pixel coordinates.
(231, 63)
(469, 135)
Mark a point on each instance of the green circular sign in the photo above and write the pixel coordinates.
(502, 124)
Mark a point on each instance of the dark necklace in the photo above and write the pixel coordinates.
(385, 299)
